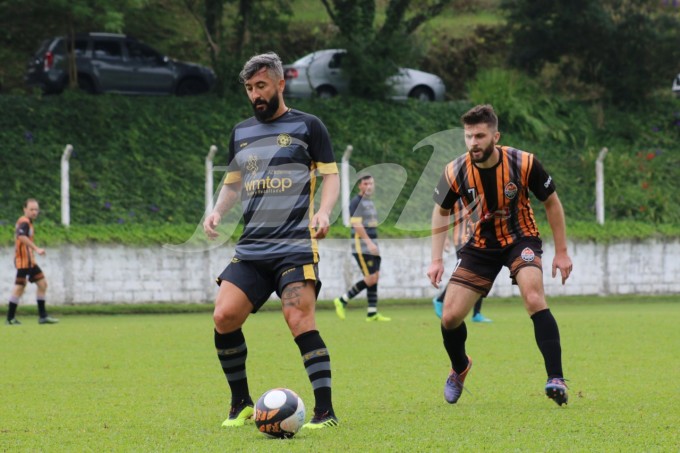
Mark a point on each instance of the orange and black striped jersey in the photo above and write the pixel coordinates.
(463, 228)
(23, 254)
(497, 198)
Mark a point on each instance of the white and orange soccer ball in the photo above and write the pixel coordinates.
(279, 413)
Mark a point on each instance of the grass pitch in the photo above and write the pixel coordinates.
(153, 382)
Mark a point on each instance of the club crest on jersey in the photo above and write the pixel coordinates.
(283, 140)
(510, 190)
(528, 254)
(251, 164)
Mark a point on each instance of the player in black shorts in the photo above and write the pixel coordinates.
(275, 160)
(494, 182)
(364, 219)
(27, 268)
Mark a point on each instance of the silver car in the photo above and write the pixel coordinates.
(321, 73)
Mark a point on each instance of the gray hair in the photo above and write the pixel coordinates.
(268, 60)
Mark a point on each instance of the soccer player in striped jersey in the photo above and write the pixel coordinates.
(27, 268)
(275, 160)
(494, 183)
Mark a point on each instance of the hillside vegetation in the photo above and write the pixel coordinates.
(140, 161)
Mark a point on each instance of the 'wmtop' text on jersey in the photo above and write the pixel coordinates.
(277, 164)
(497, 198)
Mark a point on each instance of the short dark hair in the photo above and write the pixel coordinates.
(365, 177)
(480, 114)
(269, 60)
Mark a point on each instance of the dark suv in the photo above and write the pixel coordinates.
(115, 63)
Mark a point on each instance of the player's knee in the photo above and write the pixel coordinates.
(451, 320)
(534, 301)
(372, 279)
(225, 320)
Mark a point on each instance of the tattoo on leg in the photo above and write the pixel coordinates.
(291, 294)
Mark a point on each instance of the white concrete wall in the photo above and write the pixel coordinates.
(111, 273)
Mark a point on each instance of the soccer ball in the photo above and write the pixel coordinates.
(279, 413)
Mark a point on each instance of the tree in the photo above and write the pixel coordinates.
(374, 52)
(625, 48)
(229, 27)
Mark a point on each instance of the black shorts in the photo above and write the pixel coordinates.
(369, 264)
(258, 279)
(33, 273)
(478, 268)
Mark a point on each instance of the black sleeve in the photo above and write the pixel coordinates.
(320, 147)
(444, 195)
(231, 162)
(22, 229)
(540, 182)
(354, 206)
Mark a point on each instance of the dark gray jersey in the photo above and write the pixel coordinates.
(362, 210)
(278, 164)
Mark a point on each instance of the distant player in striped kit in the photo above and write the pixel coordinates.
(494, 182)
(27, 268)
(364, 220)
(275, 160)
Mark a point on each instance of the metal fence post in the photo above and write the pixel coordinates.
(209, 179)
(344, 184)
(599, 186)
(65, 187)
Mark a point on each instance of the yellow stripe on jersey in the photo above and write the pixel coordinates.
(330, 168)
(232, 177)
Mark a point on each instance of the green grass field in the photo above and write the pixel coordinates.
(153, 383)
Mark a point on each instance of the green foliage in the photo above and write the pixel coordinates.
(580, 36)
(138, 165)
(128, 383)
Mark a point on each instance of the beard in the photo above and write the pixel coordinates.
(486, 153)
(271, 107)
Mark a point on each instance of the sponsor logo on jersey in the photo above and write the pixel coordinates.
(268, 184)
(287, 271)
(510, 190)
(283, 140)
(251, 164)
(528, 255)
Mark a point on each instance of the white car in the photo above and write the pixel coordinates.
(321, 73)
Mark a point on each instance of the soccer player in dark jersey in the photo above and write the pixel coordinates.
(275, 159)
(364, 220)
(460, 233)
(494, 182)
(27, 268)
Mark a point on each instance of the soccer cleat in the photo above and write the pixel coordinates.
(438, 307)
(239, 413)
(13, 322)
(556, 390)
(47, 320)
(453, 387)
(339, 308)
(480, 318)
(322, 419)
(377, 318)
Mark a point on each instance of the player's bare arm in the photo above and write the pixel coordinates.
(329, 195)
(440, 229)
(361, 231)
(555, 215)
(229, 195)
